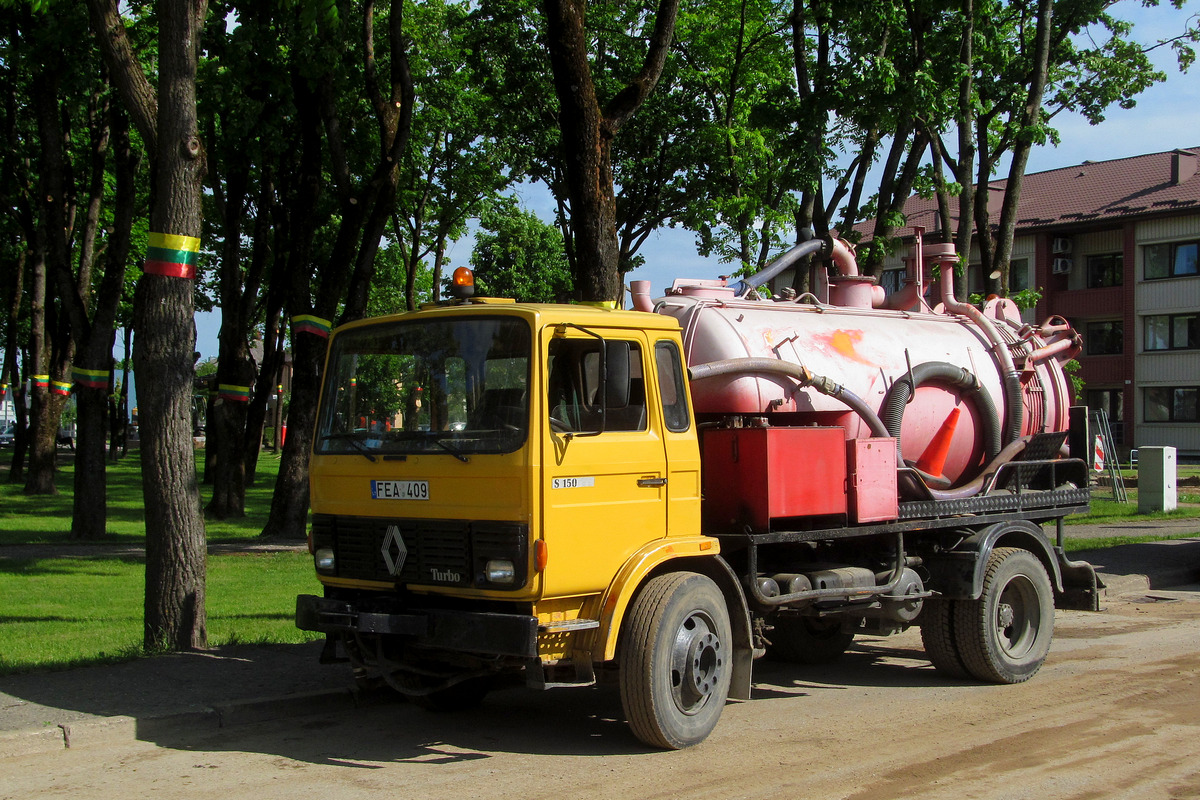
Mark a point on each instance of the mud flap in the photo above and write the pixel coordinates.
(1081, 584)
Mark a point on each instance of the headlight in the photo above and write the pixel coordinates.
(325, 559)
(500, 570)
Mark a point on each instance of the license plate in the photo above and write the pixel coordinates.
(399, 490)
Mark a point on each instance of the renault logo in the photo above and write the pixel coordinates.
(394, 550)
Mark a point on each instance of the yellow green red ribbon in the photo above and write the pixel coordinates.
(307, 323)
(228, 391)
(90, 378)
(172, 255)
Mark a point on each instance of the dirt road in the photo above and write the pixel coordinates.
(1115, 713)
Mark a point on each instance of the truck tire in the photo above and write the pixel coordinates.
(1004, 636)
(676, 659)
(808, 640)
(937, 634)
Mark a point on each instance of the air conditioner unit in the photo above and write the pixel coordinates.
(1061, 245)
(1061, 266)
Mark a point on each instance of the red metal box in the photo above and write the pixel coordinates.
(872, 479)
(755, 475)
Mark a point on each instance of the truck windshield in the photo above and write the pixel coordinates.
(454, 387)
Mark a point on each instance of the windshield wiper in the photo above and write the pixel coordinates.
(452, 450)
(353, 439)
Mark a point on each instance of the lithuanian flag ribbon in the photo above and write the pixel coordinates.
(171, 255)
(307, 323)
(41, 381)
(227, 391)
(90, 378)
(60, 387)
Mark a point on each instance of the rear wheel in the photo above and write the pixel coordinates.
(937, 634)
(808, 640)
(675, 660)
(1004, 636)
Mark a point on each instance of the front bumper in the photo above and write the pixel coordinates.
(477, 632)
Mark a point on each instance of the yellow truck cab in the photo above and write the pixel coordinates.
(492, 484)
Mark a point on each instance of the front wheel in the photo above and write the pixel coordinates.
(675, 660)
(1004, 636)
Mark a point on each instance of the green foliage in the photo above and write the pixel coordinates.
(206, 368)
(1072, 369)
(517, 255)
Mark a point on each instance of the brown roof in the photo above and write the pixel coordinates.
(1093, 191)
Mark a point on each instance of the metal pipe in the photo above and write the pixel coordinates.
(822, 594)
(640, 293)
(798, 373)
(973, 487)
(1065, 349)
(1013, 396)
(746, 285)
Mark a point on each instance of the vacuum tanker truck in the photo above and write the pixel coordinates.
(562, 494)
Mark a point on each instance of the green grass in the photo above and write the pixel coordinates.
(1105, 510)
(63, 612)
(1102, 542)
(57, 613)
(46, 519)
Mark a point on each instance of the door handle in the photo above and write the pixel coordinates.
(652, 482)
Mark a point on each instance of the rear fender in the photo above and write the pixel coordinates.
(960, 574)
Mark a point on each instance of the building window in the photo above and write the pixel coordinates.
(1105, 338)
(1018, 275)
(1112, 402)
(1172, 332)
(1171, 259)
(1171, 404)
(1105, 270)
(890, 280)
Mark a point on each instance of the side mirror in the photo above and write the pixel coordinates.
(616, 374)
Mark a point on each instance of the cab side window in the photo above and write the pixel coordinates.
(670, 381)
(577, 397)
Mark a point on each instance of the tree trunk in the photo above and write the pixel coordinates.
(90, 518)
(9, 376)
(235, 367)
(1030, 116)
(587, 133)
(163, 353)
(289, 504)
(965, 168)
(39, 477)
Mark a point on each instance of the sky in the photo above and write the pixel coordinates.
(1166, 117)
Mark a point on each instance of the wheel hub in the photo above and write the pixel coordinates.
(697, 664)
(1006, 615)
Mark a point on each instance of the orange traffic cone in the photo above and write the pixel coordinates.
(933, 460)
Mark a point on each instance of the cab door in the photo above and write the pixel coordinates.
(604, 464)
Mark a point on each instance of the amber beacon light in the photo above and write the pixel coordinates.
(462, 283)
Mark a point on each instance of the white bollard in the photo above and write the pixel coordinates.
(1156, 479)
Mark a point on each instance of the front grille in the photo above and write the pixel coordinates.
(438, 552)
